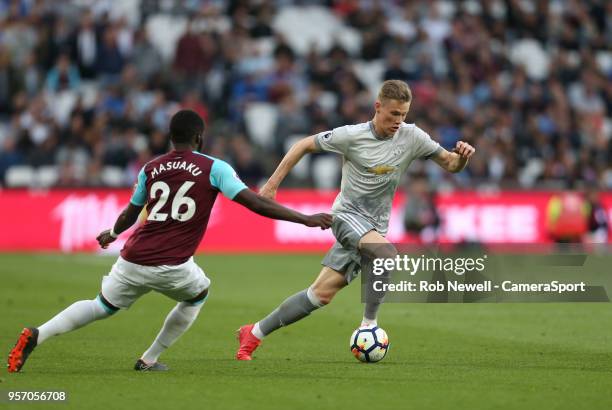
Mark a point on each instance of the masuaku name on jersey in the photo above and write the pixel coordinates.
(192, 168)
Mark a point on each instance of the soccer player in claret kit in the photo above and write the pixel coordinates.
(375, 154)
(178, 190)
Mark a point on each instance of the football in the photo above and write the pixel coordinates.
(369, 344)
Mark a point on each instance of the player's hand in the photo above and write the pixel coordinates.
(105, 239)
(324, 221)
(268, 191)
(464, 149)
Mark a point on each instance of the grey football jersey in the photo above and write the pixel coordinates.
(372, 167)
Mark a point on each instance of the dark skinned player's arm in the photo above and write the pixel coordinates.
(271, 209)
(125, 220)
(246, 197)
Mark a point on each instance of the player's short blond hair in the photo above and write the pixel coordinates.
(395, 90)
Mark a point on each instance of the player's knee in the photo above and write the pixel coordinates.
(382, 251)
(325, 298)
(324, 295)
(325, 287)
(102, 308)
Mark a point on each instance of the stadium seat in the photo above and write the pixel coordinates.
(607, 128)
(113, 176)
(302, 168)
(328, 101)
(89, 93)
(604, 61)
(164, 32)
(530, 54)
(326, 172)
(305, 26)
(61, 105)
(19, 176)
(350, 39)
(370, 73)
(260, 121)
(530, 173)
(607, 177)
(265, 46)
(47, 176)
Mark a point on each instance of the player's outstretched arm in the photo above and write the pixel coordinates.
(271, 209)
(457, 160)
(127, 218)
(292, 157)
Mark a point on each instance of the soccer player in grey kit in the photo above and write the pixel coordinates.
(178, 190)
(375, 154)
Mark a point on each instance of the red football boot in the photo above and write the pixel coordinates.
(248, 343)
(25, 344)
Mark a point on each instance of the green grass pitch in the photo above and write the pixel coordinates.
(442, 356)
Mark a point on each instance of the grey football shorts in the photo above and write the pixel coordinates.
(344, 256)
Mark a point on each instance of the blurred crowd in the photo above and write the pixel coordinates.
(87, 87)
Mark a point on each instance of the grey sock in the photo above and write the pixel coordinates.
(373, 299)
(292, 309)
(371, 310)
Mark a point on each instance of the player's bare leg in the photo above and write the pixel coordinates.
(294, 308)
(376, 246)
